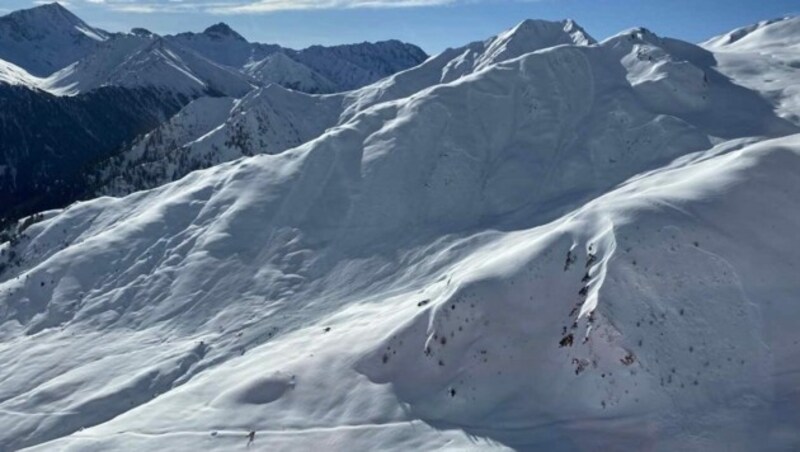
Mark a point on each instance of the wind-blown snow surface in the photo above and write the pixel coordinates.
(560, 251)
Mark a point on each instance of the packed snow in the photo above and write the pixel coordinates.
(535, 242)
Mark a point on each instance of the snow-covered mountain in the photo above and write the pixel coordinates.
(667, 76)
(51, 52)
(319, 68)
(282, 70)
(220, 43)
(527, 36)
(138, 61)
(46, 38)
(764, 57)
(578, 246)
(299, 117)
(50, 42)
(355, 65)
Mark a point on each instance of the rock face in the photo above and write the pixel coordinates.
(567, 246)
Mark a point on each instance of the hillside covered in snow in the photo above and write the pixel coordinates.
(534, 242)
(75, 95)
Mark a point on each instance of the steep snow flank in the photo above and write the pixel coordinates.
(281, 69)
(764, 57)
(46, 38)
(134, 60)
(15, 75)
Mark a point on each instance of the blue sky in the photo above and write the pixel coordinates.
(431, 24)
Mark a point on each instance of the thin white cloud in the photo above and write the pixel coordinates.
(266, 6)
(253, 6)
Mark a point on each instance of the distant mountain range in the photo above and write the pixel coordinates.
(65, 85)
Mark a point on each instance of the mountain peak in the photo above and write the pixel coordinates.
(567, 31)
(52, 10)
(138, 31)
(46, 38)
(222, 29)
(53, 6)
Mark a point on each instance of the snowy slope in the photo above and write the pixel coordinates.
(280, 69)
(550, 253)
(266, 121)
(46, 38)
(764, 57)
(15, 75)
(136, 60)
